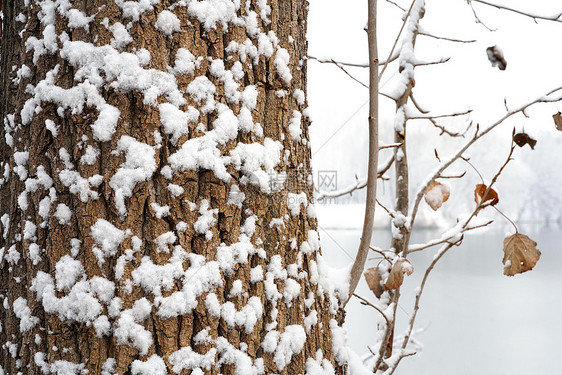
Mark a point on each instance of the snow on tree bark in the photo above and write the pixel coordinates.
(149, 171)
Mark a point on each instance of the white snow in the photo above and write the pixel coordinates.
(206, 219)
(63, 214)
(108, 237)
(139, 166)
(23, 313)
(154, 365)
(168, 23)
(90, 155)
(160, 211)
(67, 272)
(295, 126)
(281, 62)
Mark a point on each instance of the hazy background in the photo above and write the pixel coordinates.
(477, 321)
(529, 189)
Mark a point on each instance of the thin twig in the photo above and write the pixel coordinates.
(331, 61)
(397, 38)
(420, 247)
(381, 253)
(507, 218)
(390, 213)
(436, 259)
(392, 145)
(428, 117)
(396, 5)
(477, 135)
(463, 228)
(451, 176)
(443, 129)
(425, 33)
(366, 302)
(349, 74)
(372, 173)
(426, 63)
(477, 19)
(359, 184)
(476, 170)
(554, 18)
(350, 64)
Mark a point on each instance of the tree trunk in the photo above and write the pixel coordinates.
(156, 206)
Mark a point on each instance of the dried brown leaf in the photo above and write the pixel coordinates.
(373, 279)
(520, 254)
(495, 55)
(396, 277)
(522, 139)
(491, 198)
(558, 120)
(436, 194)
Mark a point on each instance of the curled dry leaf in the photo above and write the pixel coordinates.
(522, 139)
(490, 199)
(437, 194)
(558, 121)
(373, 278)
(495, 55)
(396, 277)
(520, 254)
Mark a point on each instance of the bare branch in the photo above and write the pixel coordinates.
(554, 18)
(390, 213)
(426, 63)
(397, 39)
(349, 74)
(444, 130)
(372, 173)
(448, 239)
(477, 19)
(436, 259)
(461, 175)
(439, 116)
(391, 145)
(478, 134)
(401, 165)
(366, 302)
(351, 64)
(425, 33)
(449, 242)
(396, 5)
(331, 61)
(359, 184)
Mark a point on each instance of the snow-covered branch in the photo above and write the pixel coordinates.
(534, 16)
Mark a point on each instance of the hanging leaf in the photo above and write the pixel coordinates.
(495, 55)
(491, 198)
(520, 254)
(396, 277)
(437, 194)
(558, 121)
(373, 279)
(522, 139)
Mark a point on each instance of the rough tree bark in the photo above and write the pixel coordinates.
(155, 206)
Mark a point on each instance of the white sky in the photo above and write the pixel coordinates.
(534, 56)
(468, 81)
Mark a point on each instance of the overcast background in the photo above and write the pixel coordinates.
(477, 320)
(529, 188)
